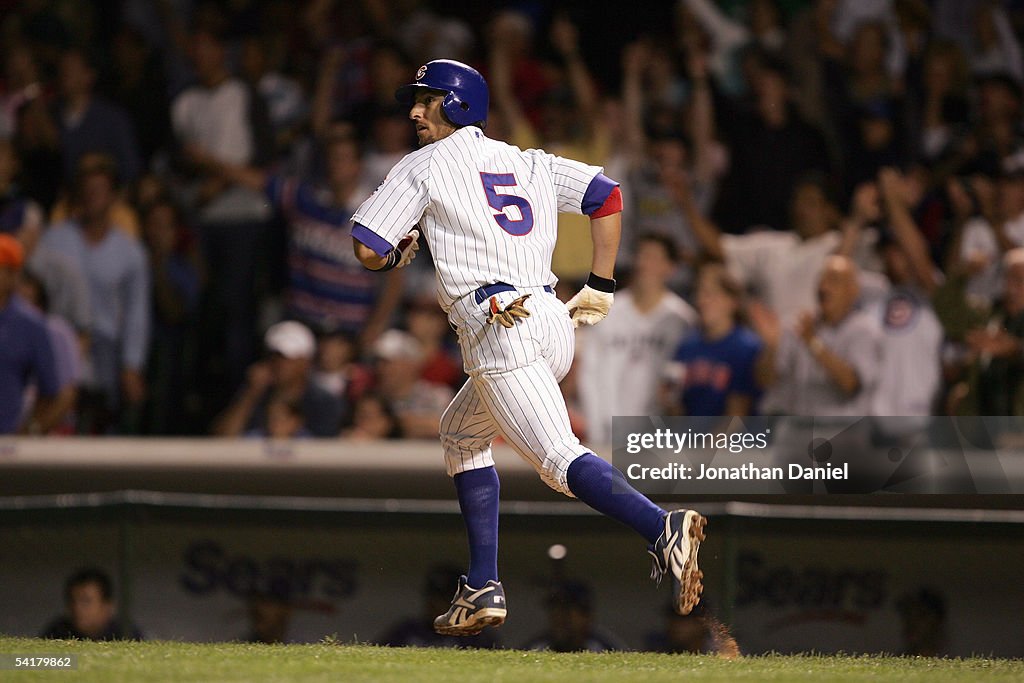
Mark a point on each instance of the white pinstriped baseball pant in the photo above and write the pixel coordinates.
(513, 388)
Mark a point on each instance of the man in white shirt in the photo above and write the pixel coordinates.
(621, 360)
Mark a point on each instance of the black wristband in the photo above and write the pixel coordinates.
(601, 284)
(393, 258)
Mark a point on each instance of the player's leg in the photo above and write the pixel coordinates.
(530, 412)
(540, 427)
(466, 435)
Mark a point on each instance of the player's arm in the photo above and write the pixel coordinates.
(367, 256)
(383, 227)
(603, 203)
(606, 231)
(393, 257)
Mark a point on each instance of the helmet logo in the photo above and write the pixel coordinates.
(421, 72)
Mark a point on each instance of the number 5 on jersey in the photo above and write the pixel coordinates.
(501, 202)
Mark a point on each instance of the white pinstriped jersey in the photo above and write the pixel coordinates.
(487, 209)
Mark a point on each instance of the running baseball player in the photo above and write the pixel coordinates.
(488, 211)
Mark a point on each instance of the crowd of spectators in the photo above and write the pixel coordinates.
(824, 209)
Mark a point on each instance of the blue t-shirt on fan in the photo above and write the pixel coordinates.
(715, 369)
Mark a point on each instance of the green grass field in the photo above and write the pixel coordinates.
(166, 661)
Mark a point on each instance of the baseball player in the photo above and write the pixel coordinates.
(488, 211)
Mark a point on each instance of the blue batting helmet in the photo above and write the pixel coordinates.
(467, 99)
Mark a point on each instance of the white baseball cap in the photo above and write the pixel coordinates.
(291, 339)
(397, 345)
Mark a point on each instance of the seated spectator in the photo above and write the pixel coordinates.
(695, 633)
(417, 402)
(27, 353)
(995, 376)
(827, 364)
(419, 631)
(270, 614)
(687, 634)
(571, 623)
(118, 277)
(428, 323)
(67, 354)
(712, 371)
(373, 419)
(923, 617)
(337, 371)
(91, 611)
(286, 374)
(622, 359)
(285, 420)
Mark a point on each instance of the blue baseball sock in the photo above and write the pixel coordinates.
(603, 488)
(478, 500)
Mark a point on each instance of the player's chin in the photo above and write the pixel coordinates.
(424, 138)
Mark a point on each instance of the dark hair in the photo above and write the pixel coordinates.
(389, 412)
(666, 242)
(343, 138)
(814, 179)
(774, 63)
(161, 200)
(730, 285)
(85, 54)
(88, 575)
(95, 163)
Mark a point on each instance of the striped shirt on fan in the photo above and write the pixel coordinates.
(327, 286)
(488, 210)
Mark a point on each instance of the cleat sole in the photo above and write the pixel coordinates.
(690, 586)
(483, 619)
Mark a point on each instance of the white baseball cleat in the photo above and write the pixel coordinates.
(473, 610)
(675, 552)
